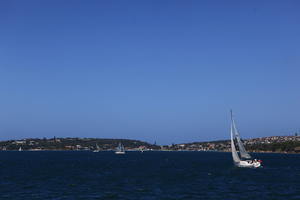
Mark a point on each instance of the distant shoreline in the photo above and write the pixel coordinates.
(274, 144)
(56, 150)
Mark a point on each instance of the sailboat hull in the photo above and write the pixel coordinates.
(248, 164)
(120, 152)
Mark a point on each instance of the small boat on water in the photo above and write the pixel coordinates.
(20, 149)
(97, 148)
(120, 149)
(244, 159)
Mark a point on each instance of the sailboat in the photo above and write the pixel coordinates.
(97, 148)
(244, 159)
(20, 149)
(120, 149)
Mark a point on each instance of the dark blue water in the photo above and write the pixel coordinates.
(148, 175)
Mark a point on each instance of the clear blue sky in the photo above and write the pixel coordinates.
(165, 71)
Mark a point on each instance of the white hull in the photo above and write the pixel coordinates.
(120, 152)
(248, 164)
(95, 151)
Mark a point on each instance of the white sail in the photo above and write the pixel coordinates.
(120, 149)
(243, 153)
(97, 148)
(235, 156)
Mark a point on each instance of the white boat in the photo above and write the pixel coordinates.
(20, 149)
(97, 148)
(244, 159)
(120, 149)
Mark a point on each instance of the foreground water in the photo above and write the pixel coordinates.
(147, 176)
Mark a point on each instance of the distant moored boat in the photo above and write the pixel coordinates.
(120, 149)
(97, 148)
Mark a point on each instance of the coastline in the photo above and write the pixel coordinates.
(62, 150)
(274, 144)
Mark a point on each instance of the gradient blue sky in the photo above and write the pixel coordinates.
(165, 71)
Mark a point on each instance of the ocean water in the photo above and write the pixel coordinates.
(145, 176)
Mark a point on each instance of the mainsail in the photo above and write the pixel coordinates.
(120, 148)
(235, 156)
(243, 153)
